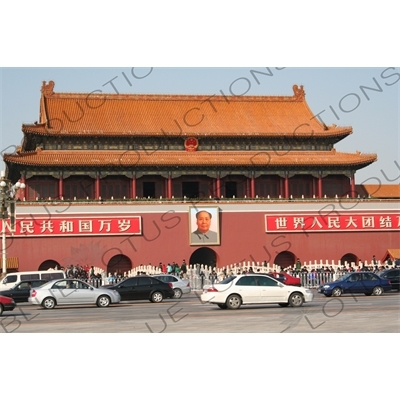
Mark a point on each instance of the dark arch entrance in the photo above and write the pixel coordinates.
(119, 264)
(204, 256)
(349, 258)
(45, 265)
(285, 259)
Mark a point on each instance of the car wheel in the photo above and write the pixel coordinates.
(336, 292)
(233, 302)
(48, 303)
(1, 308)
(177, 293)
(157, 297)
(103, 301)
(296, 299)
(283, 304)
(223, 306)
(377, 290)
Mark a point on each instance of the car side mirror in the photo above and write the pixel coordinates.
(91, 288)
(281, 284)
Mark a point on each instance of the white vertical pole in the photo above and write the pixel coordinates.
(3, 247)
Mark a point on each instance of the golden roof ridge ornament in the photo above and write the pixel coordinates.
(299, 92)
(47, 89)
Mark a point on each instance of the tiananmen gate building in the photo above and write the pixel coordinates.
(117, 180)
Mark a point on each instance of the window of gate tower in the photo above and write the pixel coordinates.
(149, 189)
(80, 187)
(230, 189)
(190, 190)
(116, 187)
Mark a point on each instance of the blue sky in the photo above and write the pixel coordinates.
(338, 95)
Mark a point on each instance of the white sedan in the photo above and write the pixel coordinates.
(72, 291)
(254, 289)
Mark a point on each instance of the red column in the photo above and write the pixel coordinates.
(133, 187)
(286, 186)
(218, 186)
(320, 186)
(61, 187)
(169, 188)
(252, 187)
(97, 188)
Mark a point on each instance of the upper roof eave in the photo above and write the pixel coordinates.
(40, 129)
(189, 159)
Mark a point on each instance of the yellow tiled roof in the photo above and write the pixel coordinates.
(383, 191)
(394, 253)
(95, 114)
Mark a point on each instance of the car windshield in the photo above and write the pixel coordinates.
(227, 280)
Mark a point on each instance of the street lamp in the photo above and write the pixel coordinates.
(7, 194)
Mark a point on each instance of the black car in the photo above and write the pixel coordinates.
(143, 288)
(393, 275)
(20, 291)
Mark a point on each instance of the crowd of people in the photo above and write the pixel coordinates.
(172, 268)
(79, 272)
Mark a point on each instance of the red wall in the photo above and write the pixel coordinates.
(165, 239)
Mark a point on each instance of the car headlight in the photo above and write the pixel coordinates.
(326, 286)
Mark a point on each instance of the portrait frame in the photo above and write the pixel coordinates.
(196, 236)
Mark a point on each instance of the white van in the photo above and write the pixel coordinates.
(16, 277)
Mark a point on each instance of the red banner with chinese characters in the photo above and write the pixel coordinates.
(332, 223)
(77, 226)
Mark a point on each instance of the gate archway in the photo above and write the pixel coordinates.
(285, 259)
(204, 256)
(349, 258)
(119, 264)
(45, 265)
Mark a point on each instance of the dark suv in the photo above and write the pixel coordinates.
(393, 275)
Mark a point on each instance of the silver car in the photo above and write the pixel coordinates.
(71, 291)
(180, 286)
